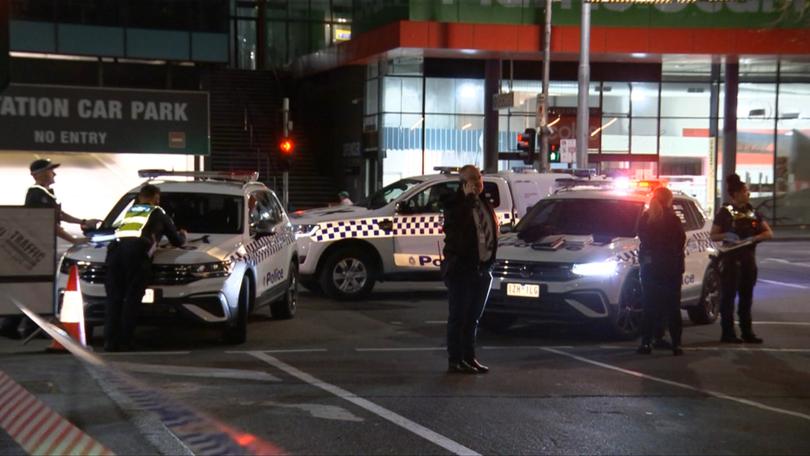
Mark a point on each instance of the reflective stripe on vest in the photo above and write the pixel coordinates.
(134, 220)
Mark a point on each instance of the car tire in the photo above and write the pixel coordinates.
(708, 308)
(497, 323)
(284, 308)
(347, 275)
(625, 319)
(235, 332)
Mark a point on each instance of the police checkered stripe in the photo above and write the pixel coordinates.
(419, 225)
(343, 229)
(699, 242)
(630, 256)
(261, 249)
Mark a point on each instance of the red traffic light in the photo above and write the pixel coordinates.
(286, 146)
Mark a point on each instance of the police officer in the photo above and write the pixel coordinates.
(661, 255)
(735, 223)
(471, 239)
(41, 195)
(129, 264)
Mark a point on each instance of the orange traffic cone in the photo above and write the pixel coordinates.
(71, 315)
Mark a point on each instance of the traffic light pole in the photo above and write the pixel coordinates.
(543, 130)
(285, 175)
(583, 123)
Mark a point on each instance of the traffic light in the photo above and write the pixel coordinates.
(286, 148)
(553, 153)
(527, 143)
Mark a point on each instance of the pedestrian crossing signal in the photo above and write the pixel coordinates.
(554, 153)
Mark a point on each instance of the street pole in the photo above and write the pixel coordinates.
(544, 131)
(285, 175)
(584, 82)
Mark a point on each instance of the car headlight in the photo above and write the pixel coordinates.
(208, 270)
(305, 230)
(596, 269)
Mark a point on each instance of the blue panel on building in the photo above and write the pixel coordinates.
(209, 47)
(27, 36)
(157, 44)
(91, 40)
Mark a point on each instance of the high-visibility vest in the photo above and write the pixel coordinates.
(135, 219)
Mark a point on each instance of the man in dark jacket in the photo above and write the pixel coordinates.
(470, 242)
(129, 264)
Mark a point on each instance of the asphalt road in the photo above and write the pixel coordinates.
(369, 378)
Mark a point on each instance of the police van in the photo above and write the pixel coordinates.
(396, 233)
(240, 254)
(574, 257)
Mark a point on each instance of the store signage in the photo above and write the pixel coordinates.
(86, 119)
(503, 100)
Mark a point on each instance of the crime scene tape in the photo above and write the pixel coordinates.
(201, 434)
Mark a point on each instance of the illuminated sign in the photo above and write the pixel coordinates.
(342, 33)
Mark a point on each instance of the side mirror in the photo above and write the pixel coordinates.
(263, 228)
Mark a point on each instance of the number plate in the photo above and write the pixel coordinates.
(148, 296)
(523, 290)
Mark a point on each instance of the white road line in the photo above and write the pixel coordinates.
(789, 262)
(436, 322)
(711, 393)
(146, 353)
(399, 420)
(714, 349)
(785, 284)
(289, 350)
(783, 323)
(399, 349)
(205, 372)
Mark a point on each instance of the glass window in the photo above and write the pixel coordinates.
(614, 133)
(263, 208)
(402, 94)
(685, 99)
(492, 194)
(616, 98)
(204, 212)
(389, 193)
(645, 136)
(298, 9)
(604, 219)
(246, 36)
(431, 199)
(319, 11)
(644, 99)
(276, 43)
(299, 43)
(342, 11)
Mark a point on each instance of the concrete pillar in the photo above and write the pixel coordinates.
(732, 71)
(492, 75)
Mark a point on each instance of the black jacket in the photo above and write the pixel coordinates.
(460, 236)
(662, 245)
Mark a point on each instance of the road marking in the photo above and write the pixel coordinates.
(399, 420)
(715, 349)
(399, 349)
(326, 412)
(785, 323)
(290, 350)
(785, 284)
(205, 372)
(789, 262)
(711, 393)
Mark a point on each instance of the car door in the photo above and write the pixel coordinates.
(418, 235)
(695, 248)
(266, 232)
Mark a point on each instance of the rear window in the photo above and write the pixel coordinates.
(195, 212)
(602, 218)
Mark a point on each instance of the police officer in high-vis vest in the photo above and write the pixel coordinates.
(735, 223)
(129, 264)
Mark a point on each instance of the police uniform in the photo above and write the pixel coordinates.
(129, 266)
(738, 268)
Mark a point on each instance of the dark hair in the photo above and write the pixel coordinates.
(734, 184)
(148, 191)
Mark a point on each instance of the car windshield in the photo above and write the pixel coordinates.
(195, 212)
(603, 218)
(389, 193)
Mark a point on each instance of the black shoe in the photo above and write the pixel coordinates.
(10, 333)
(478, 366)
(731, 339)
(644, 349)
(677, 351)
(752, 339)
(662, 344)
(461, 367)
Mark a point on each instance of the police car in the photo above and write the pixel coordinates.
(574, 257)
(396, 234)
(240, 254)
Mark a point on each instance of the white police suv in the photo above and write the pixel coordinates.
(396, 234)
(240, 254)
(574, 257)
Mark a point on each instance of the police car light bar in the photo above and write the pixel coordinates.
(236, 176)
(446, 169)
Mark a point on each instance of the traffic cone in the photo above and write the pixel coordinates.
(71, 316)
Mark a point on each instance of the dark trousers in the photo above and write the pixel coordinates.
(128, 270)
(662, 306)
(467, 292)
(738, 277)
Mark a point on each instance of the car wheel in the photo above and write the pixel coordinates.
(347, 274)
(497, 323)
(236, 331)
(708, 309)
(625, 319)
(285, 307)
